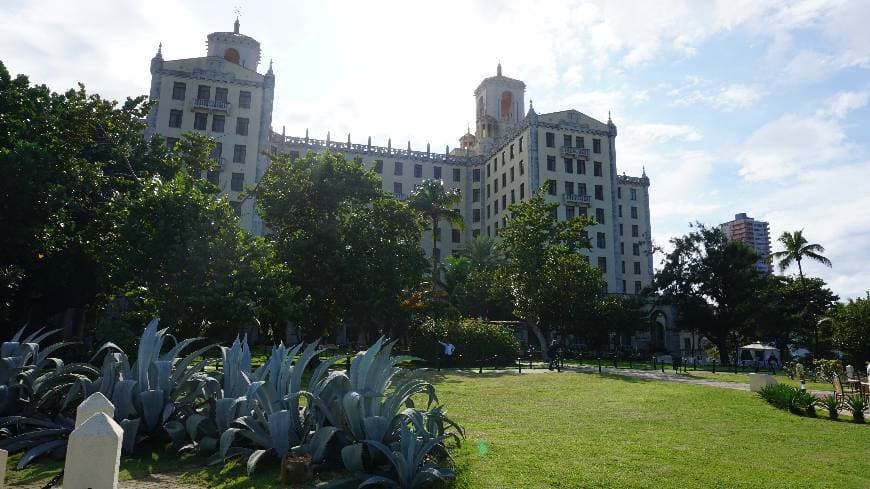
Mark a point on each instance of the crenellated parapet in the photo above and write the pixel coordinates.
(642, 181)
(374, 151)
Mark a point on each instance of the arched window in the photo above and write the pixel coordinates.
(232, 55)
(507, 104)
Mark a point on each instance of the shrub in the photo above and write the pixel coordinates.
(831, 404)
(805, 401)
(780, 395)
(826, 369)
(857, 404)
(475, 341)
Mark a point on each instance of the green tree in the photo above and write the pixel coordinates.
(353, 249)
(796, 249)
(851, 332)
(436, 204)
(713, 284)
(544, 264)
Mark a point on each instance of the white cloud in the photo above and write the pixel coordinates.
(698, 91)
(839, 105)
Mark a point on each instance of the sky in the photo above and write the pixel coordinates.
(730, 106)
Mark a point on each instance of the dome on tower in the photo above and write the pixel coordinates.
(468, 140)
(235, 47)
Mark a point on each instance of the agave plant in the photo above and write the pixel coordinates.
(410, 462)
(158, 390)
(857, 404)
(805, 401)
(276, 423)
(31, 380)
(38, 435)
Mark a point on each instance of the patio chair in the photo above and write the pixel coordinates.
(838, 389)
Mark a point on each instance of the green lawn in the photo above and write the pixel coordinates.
(583, 430)
(569, 430)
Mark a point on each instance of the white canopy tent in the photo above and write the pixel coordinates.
(759, 353)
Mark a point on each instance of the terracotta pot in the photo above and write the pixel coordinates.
(296, 468)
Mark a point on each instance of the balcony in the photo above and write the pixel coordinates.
(211, 105)
(572, 152)
(576, 199)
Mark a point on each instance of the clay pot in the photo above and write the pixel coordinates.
(296, 468)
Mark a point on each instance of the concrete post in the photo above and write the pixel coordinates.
(93, 455)
(4, 455)
(95, 403)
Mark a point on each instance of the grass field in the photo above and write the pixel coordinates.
(570, 430)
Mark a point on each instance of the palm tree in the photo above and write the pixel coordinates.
(796, 249)
(482, 253)
(436, 203)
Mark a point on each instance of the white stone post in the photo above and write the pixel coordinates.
(95, 403)
(93, 454)
(4, 455)
(760, 381)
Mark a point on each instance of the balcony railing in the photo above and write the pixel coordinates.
(212, 105)
(573, 152)
(576, 199)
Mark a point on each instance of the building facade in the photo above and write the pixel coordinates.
(220, 95)
(755, 234)
(512, 154)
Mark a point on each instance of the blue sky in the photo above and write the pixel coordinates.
(732, 106)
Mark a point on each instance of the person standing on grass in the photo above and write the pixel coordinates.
(553, 354)
(448, 352)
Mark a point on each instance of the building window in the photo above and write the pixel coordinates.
(495, 164)
(213, 177)
(175, 118)
(171, 142)
(245, 99)
(495, 207)
(551, 163)
(600, 240)
(200, 121)
(551, 140)
(475, 233)
(457, 175)
(475, 195)
(294, 155)
(379, 166)
(633, 212)
(502, 159)
(436, 172)
(513, 197)
(634, 231)
(178, 90)
(522, 191)
(597, 170)
(512, 174)
(487, 170)
(475, 215)
(569, 165)
(581, 143)
(581, 188)
(487, 214)
(620, 229)
(632, 194)
(599, 192)
(203, 92)
(623, 266)
(504, 201)
(602, 264)
(438, 253)
(637, 268)
(216, 152)
(599, 216)
(620, 210)
(220, 95)
(397, 189)
(635, 249)
(551, 187)
(242, 126)
(522, 168)
(637, 286)
(238, 182)
(237, 208)
(218, 122)
(475, 175)
(569, 212)
(239, 153)
(581, 167)
(397, 168)
(622, 252)
(521, 144)
(418, 171)
(566, 140)
(504, 179)
(495, 185)
(454, 235)
(596, 145)
(618, 192)
(582, 211)
(569, 188)
(512, 152)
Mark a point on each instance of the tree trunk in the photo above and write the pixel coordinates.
(434, 260)
(722, 346)
(542, 338)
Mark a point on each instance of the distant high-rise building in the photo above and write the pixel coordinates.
(755, 234)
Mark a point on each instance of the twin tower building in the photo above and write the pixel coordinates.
(512, 153)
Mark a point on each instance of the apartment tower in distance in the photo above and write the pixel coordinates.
(755, 234)
(512, 153)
